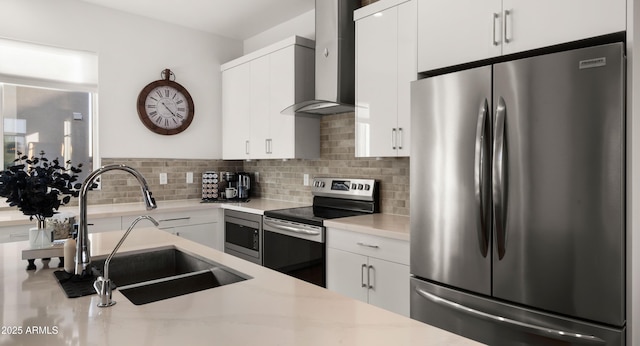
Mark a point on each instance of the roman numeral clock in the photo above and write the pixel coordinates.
(164, 106)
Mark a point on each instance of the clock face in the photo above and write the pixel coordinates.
(165, 107)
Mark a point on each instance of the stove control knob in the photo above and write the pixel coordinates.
(360, 186)
(354, 186)
(367, 187)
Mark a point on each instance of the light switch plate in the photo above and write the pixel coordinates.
(189, 177)
(163, 178)
(305, 180)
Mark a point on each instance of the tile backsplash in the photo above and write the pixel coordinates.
(282, 180)
(277, 179)
(121, 187)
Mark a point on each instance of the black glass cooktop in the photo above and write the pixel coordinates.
(310, 215)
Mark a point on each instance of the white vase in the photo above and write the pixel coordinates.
(41, 236)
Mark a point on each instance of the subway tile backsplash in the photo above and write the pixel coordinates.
(277, 179)
(283, 180)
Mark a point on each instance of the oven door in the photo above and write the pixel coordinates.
(243, 235)
(295, 249)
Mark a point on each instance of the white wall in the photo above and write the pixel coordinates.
(132, 51)
(304, 25)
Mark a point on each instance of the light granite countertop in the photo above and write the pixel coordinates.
(268, 309)
(384, 225)
(12, 216)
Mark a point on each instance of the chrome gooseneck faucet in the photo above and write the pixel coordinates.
(83, 255)
(103, 284)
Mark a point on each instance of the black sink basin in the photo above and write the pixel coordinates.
(157, 274)
(179, 285)
(130, 268)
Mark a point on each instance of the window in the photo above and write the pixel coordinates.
(48, 100)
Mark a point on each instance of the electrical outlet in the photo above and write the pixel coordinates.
(256, 177)
(305, 180)
(189, 177)
(163, 178)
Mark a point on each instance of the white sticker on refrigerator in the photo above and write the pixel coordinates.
(591, 63)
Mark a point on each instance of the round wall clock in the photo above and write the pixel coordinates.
(164, 106)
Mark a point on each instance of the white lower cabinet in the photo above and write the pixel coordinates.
(201, 226)
(104, 224)
(10, 234)
(369, 268)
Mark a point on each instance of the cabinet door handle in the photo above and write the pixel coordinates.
(368, 245)
(394, 138)
(371, 271)
(364, 266)
(18, 236)
(496, 17)
(175, 219)
(507, 14)
(246, 147)
(400, 139)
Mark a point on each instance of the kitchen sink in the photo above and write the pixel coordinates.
(175, 286)
(157, 274)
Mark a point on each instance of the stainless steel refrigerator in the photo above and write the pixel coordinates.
(518, 199)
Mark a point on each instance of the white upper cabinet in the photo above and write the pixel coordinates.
(536, 24)
(452, 32)
(386, 35)
(255, 89)
(235, 111)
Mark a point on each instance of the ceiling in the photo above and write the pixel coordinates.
(237, 19)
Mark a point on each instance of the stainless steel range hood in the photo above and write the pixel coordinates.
(334, 60)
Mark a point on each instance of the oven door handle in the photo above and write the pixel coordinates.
(292, 229)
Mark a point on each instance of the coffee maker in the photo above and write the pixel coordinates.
(244, 185)
(241, 182)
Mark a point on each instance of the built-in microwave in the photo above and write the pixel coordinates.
(243, 235)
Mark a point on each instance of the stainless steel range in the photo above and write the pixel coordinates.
(294, 238)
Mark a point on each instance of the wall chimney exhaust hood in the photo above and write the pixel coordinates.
(334, 60)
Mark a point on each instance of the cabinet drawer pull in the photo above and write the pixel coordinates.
(175, 219)
(368, 245)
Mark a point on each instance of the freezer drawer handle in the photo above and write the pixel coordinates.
(539, 330)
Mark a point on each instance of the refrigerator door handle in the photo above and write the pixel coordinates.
(531, 328)
(500, 183)
(480, 162)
